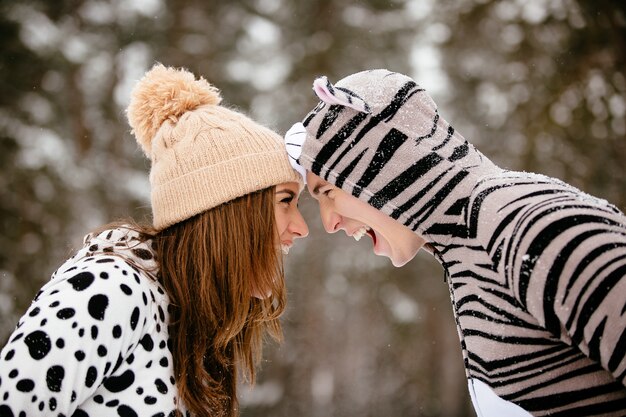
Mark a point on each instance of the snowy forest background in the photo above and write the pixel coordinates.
(537, 85)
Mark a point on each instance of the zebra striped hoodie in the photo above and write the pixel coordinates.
(536, 268)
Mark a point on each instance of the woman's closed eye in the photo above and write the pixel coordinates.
(285, 196)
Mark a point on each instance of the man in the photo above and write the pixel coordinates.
(536, 268)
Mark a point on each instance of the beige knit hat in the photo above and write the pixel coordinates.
(202, 154)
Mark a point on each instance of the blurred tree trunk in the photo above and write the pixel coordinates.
(562, 73)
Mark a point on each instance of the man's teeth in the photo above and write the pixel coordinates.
(285, 249)
(360, 233)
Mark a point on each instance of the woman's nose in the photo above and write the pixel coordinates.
(299, 228)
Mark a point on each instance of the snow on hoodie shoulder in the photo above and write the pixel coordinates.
(94, 341)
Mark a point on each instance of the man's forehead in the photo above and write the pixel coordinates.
(314, 182)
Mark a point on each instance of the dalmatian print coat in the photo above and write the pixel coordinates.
(94, 341)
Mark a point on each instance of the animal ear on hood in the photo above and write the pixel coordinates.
(330, 94)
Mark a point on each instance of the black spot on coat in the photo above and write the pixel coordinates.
(97, 306)
(38, 343)
(54, 378)
(82, 281)
(120, 383)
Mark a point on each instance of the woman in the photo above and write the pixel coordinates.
(158, 320)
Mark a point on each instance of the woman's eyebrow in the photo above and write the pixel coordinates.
(284, 191)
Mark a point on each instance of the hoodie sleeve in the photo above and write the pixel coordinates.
(569, 258)
(77, 331)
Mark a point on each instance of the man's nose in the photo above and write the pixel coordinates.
(330, 219)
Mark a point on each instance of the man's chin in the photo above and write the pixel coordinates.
(399, 262)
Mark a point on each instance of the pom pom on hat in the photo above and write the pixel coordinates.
(165, 93)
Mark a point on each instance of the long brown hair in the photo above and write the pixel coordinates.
(211, 265)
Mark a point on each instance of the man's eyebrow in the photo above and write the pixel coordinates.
(315, 191)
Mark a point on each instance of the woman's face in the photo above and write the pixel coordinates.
(289, 220)
(342, 211)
